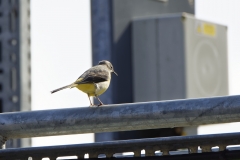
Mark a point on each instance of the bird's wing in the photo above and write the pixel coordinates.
(93, 75)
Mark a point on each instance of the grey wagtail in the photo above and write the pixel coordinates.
(94, 82)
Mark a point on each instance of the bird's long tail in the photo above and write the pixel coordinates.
(59, 89)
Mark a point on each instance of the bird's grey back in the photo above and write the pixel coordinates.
(98, 73)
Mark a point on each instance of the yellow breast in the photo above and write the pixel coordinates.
(94, 89)
(87, 88)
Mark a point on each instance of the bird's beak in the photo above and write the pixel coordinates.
(115, 73)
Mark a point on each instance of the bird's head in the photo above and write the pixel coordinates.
(108, 64)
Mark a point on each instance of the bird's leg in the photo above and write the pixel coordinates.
(90, 101)
(99, 101)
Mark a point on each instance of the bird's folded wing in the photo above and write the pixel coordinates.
(94, 76)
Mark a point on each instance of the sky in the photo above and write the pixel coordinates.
(61, 51)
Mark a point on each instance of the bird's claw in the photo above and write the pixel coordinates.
(100, 104)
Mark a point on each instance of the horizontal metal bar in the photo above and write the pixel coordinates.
(120, 117)
(112, 148)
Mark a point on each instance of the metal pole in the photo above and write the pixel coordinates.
(121, 117)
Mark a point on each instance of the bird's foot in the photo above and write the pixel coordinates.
(100, 104)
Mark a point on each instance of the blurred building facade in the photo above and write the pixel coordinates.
(112, 40)
(15, 60)
(158, 55)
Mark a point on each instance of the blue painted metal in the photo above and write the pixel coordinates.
(101, 13)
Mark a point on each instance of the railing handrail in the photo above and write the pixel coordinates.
(120, 117)
(109, 148)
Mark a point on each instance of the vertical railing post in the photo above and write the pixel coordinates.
(3, 140)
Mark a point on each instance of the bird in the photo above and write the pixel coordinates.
(94, 81)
